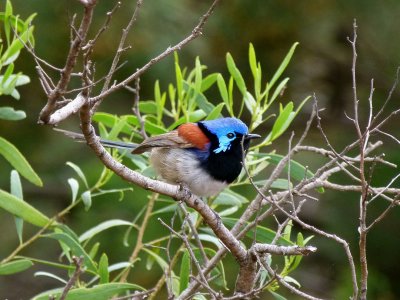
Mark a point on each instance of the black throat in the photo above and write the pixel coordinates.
(226, 165)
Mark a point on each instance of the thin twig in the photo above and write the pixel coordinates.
(78, 261)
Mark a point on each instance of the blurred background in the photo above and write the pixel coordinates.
(321, 65)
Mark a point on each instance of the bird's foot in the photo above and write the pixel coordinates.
(184, 192)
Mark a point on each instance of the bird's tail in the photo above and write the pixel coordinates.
(108, 143)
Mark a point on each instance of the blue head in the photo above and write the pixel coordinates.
(223, 161)
(225, 130)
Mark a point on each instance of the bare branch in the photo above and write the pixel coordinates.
(78, 261)
(197, 31)
(70, 63)
(262, 249)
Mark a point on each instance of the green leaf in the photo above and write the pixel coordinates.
(297, 170)
(229, 211)
(93, 250)
(198, 75)
(179, 77)
(224, 93)
(250, 102)
(283, 65)
(278, 89)
(160, 261)
(264, 234)
(8, 113)
(200, 99)
(216, 112)
(74, 184)
(195, 116)
(283, 121)
(87, 199)
(234, 71)
(292, 280)
(252, 60)
(7, 14)
(103, 269)
(277, 296)
(16, 190)
(148, 107)
(18, 161)
(7, 73)
(160, 102)
(20, 208)
(280, 184)
(153, 128)
(288, 230)
(99, 292)
(211, 239)
(203, 103)
(185, 271)
(75, 248)
(165, 209)
(101, 227)
(14, 80)
(117, 128)
(208, 82)
(230, 198)
(50, 275)
(15, 266)
(110, 120)
(78, 171)
(12, 52)
(64, 228)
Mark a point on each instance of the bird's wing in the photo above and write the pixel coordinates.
(167, 140)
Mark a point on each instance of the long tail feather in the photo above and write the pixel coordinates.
(108, 143)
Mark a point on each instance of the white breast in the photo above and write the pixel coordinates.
(179, 166)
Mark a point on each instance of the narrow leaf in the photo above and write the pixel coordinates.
(234, 71)
(283, 65)
(78, 171)
(185, 271)
(20, 208)
(101, 227)
(18, 161)
(15, 266)
(216, 112)
(208, 82)
(16, 190)
(252, 60)
(50, 275)
(8, 113)
(103, 269)
(75, 248)
(74, 184)
(264, 234)
(87, 199)
(99, 292)
(297, 170)
(224, 92)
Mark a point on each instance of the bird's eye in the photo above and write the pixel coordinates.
(230, 135)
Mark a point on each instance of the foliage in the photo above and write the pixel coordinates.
(184, 101)
(16, 33)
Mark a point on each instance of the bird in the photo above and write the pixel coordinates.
(204, 156)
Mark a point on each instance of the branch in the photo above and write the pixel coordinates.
(78, 261)
(262, 249)
(196, 32)
(70, 63)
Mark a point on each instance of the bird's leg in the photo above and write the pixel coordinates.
(184, 192)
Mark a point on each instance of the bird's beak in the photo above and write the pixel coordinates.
(251, 136)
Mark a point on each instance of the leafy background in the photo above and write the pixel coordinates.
(321, 64)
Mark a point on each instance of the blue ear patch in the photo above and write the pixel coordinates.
(224, 129)
(224, 143)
